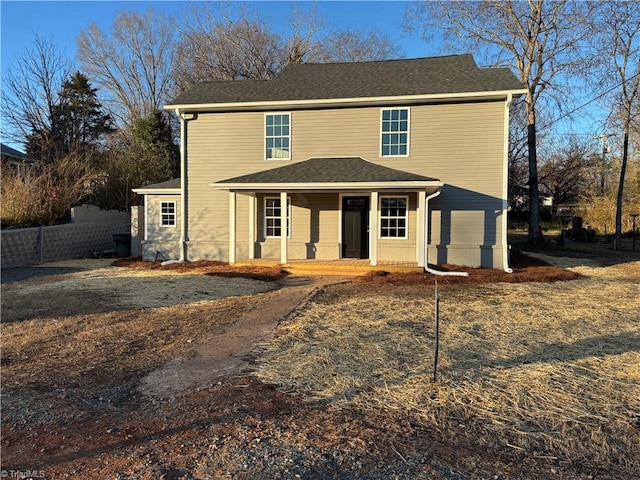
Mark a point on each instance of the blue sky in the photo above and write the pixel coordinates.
(62, 21)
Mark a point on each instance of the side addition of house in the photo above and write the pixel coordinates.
(389, 161)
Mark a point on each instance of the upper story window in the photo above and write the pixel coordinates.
(168, 214)
(273, 217)
(277, 129)
(394, 217)
(395, 132)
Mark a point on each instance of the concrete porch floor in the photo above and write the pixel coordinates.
(342, 267)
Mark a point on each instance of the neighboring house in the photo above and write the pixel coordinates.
(18, 162)
(400, 160)
(519, 199)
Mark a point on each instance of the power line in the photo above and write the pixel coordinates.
(583, 105)
(590, 101)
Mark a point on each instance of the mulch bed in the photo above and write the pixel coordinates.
(525, 269)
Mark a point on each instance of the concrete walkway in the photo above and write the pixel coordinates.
(228, 353)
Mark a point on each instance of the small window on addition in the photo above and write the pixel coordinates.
(168, 214)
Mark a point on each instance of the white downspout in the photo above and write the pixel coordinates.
(426, 242)
(505, 190)
(184, 192)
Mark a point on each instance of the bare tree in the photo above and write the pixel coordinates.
(518, 169)
(567, 174)
(537, 38)
(220, 44)
(303, 44)
(357, 46)
(132, 63)
(30, 93)
(215, 46)
(618, 46)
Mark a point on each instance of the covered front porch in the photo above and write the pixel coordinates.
(345, 214)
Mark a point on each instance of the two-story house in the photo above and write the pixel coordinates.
(400, 160)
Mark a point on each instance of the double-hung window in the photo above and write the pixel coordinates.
(395, 132)
(273, 217)
(393, 217)
(168, 214)
(277, 129)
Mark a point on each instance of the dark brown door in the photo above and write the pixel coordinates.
(355, 227)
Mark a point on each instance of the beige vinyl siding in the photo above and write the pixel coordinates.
(462, 144)
(400, 249)
(465, 149)
(165, 240)
(220, 146)
(336, 133)
(314, 228)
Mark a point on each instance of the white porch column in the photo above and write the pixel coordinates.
(252, 226)
(421, 215)
(283, 227)
(373, 229)
(232, 227)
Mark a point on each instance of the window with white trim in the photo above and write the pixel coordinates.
(394, 217)
(273, 218)
(395, 132)
(277, 129)
(168, 214)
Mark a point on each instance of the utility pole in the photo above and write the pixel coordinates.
(603, 171)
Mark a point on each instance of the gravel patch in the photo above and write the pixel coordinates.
(129, 288)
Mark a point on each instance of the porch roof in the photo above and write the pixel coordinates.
(350, 173)
(170, 186)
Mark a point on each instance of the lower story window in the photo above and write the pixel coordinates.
(393, 217)
(273, 217)
(168, 214)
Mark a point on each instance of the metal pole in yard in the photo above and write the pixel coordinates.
(437, 316)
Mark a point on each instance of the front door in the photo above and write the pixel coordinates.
(355, 227)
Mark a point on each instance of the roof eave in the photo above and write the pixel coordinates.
(156, 191)
(402, 185)
(345, 102)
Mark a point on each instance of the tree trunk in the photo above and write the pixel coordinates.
(623, 169)
(535, 234)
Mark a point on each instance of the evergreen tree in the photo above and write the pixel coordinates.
(154, 136)
(77, 124)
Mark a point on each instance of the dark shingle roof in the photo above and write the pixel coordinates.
(169, 184)
(308, 81)
(7, 151)
(329, 170)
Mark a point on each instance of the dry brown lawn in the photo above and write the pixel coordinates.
(540, 375)
(547, 370)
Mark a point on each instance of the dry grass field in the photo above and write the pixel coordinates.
(538, 376)
(548, 370)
